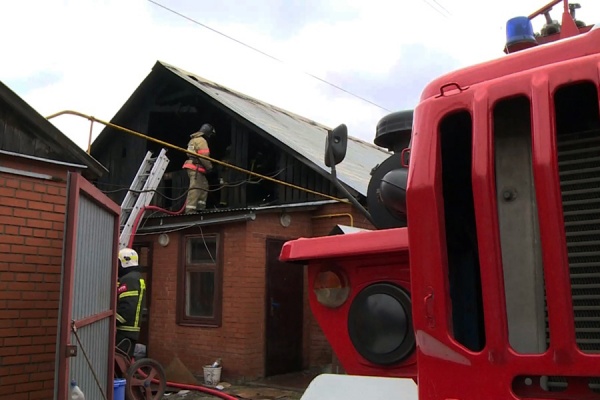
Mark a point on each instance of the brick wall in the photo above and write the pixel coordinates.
(240, 341)
(32, 213)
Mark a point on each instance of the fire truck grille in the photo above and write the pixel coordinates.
(579, 171)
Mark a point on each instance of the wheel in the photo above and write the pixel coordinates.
(146, 380)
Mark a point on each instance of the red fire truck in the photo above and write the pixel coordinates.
(482, 280)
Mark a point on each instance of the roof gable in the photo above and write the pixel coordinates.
(300, 135)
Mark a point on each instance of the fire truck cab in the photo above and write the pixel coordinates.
(492, 289)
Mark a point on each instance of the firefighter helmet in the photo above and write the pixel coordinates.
(207, 130)
(128, 258)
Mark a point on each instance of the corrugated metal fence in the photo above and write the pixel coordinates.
(86, 337)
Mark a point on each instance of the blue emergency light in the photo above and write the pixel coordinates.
(519, 30)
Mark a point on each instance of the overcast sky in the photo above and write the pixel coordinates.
(90, 55)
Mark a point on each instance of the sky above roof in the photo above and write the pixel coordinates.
(90, 55)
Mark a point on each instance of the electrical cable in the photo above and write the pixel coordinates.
(213, 160)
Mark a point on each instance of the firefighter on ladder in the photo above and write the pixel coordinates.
(197, 169)
(131, 290)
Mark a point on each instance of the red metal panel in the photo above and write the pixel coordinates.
(79, 186)
(359, 243)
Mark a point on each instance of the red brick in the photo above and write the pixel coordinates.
(17, 341)
(11, 230)
(12, 360)
(12, 239)
(34, 223)
(13, 379)
(38, 232)
(13, 183)
(6, 210)
(29, 386)
(27, 195)
(7, 192)
(42, 394)
(30, 349)
(48, 269)
(51, 216)
(34, 295)
(14, 202)
(23, 249)
(21, 267)
(8, 390)
(53, 199)
(36, 331)
(11, 314)
(22, 277)
(26, 213)
(42, 357)
(23, 231)
(43, 340)
(33, 259)
(9, 295)
(37, 205)
(22, 286)
(50, 251)
(26, 185)
(38, 242)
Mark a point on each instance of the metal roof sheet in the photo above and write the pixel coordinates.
(299, 134)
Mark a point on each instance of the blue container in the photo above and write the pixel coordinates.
(119, 389)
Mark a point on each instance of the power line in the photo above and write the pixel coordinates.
(442, 7)
(265, 54)
(438, 10)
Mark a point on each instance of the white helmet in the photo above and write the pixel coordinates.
(128, 257)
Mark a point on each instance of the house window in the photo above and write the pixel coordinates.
(200, 282)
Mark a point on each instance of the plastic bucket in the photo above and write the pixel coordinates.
(212, 375)
(119, 393)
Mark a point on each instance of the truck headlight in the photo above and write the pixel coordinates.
(331, 288)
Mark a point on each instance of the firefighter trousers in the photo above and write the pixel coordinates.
(198, 191)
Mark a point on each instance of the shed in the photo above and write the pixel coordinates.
(57, 248)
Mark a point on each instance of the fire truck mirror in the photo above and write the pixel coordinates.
(336, 145)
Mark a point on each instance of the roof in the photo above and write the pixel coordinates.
(300, 135)
(65, 149)
(162, 221)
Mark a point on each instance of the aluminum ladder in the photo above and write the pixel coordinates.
(141, 192)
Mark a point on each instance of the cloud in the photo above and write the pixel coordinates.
(90, 55)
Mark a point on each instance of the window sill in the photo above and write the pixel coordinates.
(199, 324)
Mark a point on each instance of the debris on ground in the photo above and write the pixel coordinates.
(243, 392)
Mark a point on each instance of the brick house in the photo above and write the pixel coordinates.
(35, 161)
(217, 289)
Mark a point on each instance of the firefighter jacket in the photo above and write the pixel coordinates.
(198, 145)
(131, 293)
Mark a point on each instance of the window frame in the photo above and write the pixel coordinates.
(182, 272)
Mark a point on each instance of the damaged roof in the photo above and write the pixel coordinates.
(299, 134)
(24, 131)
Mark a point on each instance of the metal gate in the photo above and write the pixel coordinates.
(86, 331)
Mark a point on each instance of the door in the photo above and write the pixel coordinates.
(284, 321)
(86, 328)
